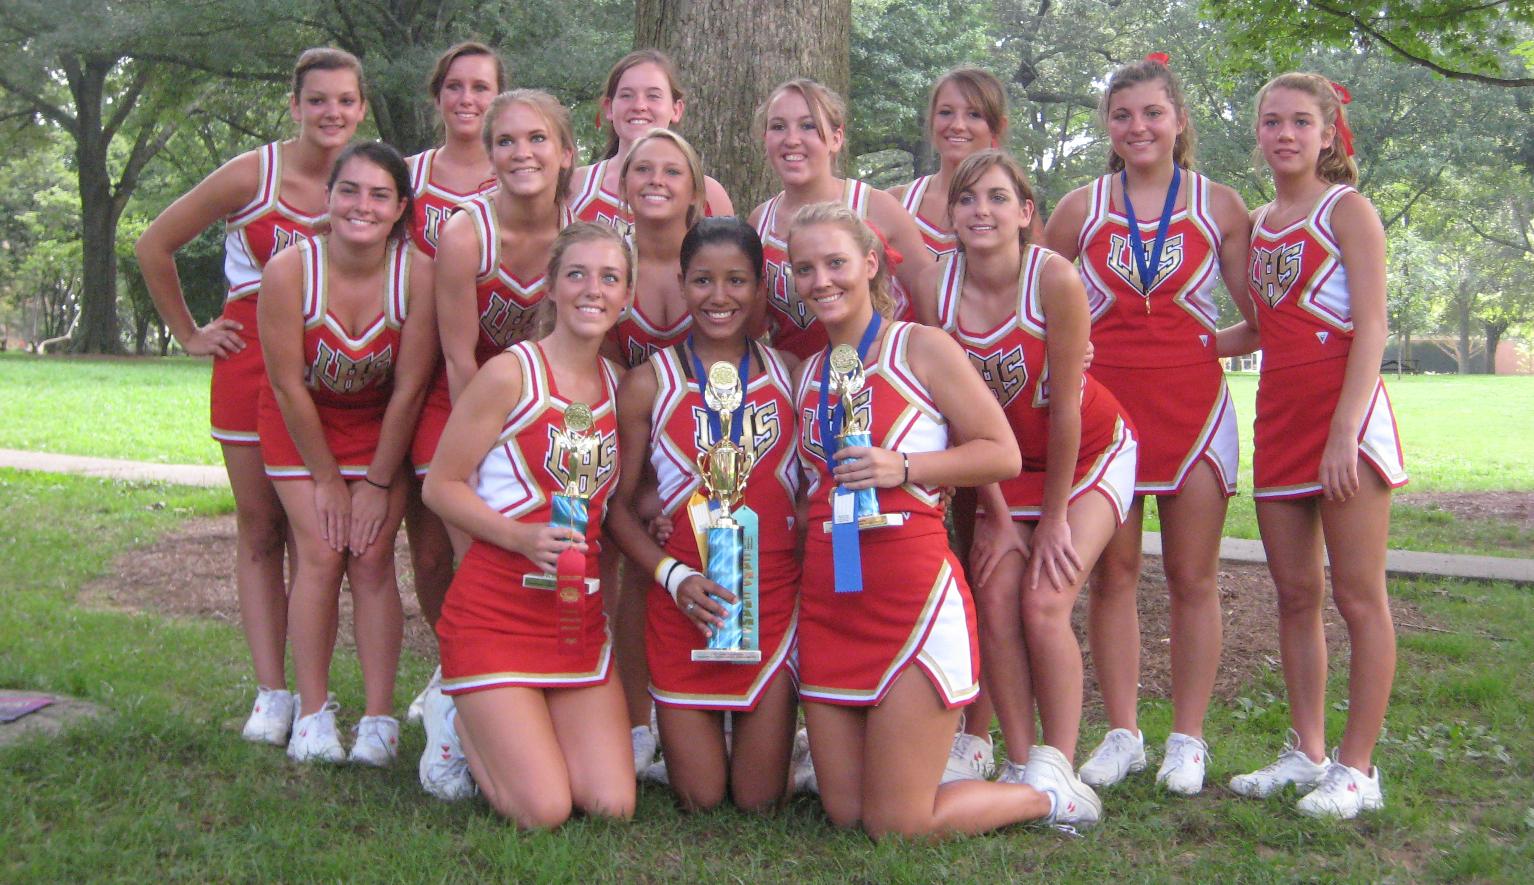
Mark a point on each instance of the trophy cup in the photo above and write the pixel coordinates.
(847, 381)
(574, 450)
(730, 557)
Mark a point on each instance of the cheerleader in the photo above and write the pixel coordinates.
(642, 93)
(465, 79)
(349, 343)
(966, 113)
(1327, 452)
(268, 199)
(1020, 313)
(540, 722)
(661, 411)
(885, 670)
(802, 125)
(1154, 238)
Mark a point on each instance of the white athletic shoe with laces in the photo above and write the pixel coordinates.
(315, 738)
(1049, 772)
(271, 719)
(1182, 769)
(1121, 754)
(1343, 793)
(971, 758)
(1011, 773)
(1291, 767)
(418, 706)
(645, 746)
(377, 741)
(802, 766)
(443, 769)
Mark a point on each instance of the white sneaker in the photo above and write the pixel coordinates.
(1291, 767)
(271, 719)
(1011, 773)
(1343, 793)
(1049, 772)
(377, 741)
(971, 758)
(802, 766)
(645, 746)
(418, 706)
(314, 737)
(1121, 754)
(656, 773)
(444, 770)
(1182, 771)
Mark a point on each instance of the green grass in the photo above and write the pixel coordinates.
(164, 789)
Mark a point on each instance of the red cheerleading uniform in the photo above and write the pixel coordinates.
(938, 240)
(679, 430)
(262, 228)
(638, 337)
(494, 632)
(350, 379)
(790, 322)
(915, 607)
(507, 308)
(434, 204)
(1305, 317)
(1013, 361)
(1156, 353)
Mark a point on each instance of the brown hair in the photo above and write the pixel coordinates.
(1151, 71)
(569, 236)
(633, 60)
(984, 93)
(461, 50)
(554, 114)
(838, 215)
(387, 158)
(826, 107)
(326, 58)
(1333, 165)
(975, 166)
(696, 207)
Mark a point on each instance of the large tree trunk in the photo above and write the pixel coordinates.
(97, 331)
(1493, 340)
(730, 57)
(1462, 327)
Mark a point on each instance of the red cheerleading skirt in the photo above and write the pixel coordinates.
(237, 381)
(351, 432)
(434, 414)
(1183, 415)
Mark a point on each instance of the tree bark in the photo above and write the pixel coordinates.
(730, 57)
(1493, 340)
(97, 330)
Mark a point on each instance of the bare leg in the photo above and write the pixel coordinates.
(260, 529)
(1004, 669)
(1113, 621)
(627, 609)
(696, 763)
(589, 725)
(316, 588)
(1190, 544)
(1291, 538)
(763, 742)
(1357, 531)
(431, 552)
(377, 618)
(836, 749)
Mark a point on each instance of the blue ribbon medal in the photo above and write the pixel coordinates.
(846, 552)
(1149, 266)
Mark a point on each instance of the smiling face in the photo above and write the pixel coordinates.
(1143, 124)
(364, 202)
(958, 127)
(797, 149)
(658, 183)
(589, 288)
(642, 101)
(525, 151)
(831, 274)
(990, 213)
(1291, 131)
(466, 93)
(721, 288)
(328, 107)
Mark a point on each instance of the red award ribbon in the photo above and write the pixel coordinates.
(570, 601)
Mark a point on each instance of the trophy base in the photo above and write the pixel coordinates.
(876, 521)
(727, 655)
(551, 582)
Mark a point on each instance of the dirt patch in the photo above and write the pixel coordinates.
(190, 573)
(1515, 507)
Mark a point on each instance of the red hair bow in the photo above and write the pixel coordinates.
(1344, 134)
(892, 256)
(1160, 58)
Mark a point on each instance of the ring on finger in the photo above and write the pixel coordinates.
(689, 607)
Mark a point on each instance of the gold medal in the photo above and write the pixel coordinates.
(844, 360)
(578, 418)
(722, 392)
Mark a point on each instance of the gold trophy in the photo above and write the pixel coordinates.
(847, 381)
(576, 463)
(731, 557)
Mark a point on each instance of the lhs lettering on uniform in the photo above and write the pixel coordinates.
(783, 293)
(760, 433)
(338, 373)
(504, 321)
(1004, 372)
(282, 238)
(1275, 270)
(1122, 261)
(435, 215)
(862, 407)
(584, 469)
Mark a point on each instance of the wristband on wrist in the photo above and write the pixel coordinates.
(906, 460)
(663, 569)
(678, 573)
(377, 485)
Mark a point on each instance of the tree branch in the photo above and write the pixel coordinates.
(1366, 28)
(53, 112)
(125, 102)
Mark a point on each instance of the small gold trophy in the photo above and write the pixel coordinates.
(731, 557)
(847, 381)
(574, 456)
